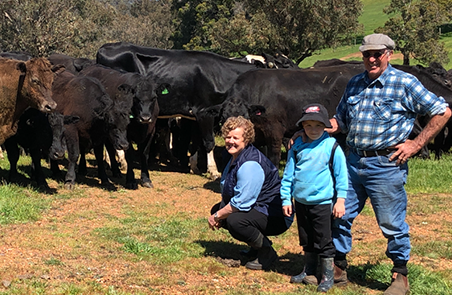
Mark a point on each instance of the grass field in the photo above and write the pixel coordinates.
(371, 18)
(156, 241)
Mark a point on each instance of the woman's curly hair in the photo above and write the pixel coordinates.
(236, 122)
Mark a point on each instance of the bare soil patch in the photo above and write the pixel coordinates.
(62, 247)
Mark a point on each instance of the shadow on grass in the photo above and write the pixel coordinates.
(357, 275)
(289, 264)
(23, 178)
(214, 186)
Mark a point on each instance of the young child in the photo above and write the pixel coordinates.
(309, 180)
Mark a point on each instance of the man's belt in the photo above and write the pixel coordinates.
(364, 153)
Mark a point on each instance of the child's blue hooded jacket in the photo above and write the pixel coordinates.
(307, 177)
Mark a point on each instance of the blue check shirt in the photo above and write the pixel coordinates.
(381, 113)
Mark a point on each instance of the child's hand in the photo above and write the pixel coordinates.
(339, 208)
(287, 210)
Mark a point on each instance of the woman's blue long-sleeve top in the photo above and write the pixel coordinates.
(307, 177)
(252, 181)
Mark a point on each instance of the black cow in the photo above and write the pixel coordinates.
(100, 118)
(278, 61)
(273, 100)
(72, 64)
(435, 69)
(191, 81)
(143, 115)
(41, 136)
(16, 55)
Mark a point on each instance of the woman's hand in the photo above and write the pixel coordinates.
(212, 223)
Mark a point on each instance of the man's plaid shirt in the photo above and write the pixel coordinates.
(381, 113)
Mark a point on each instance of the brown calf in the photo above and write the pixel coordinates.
(24, 84)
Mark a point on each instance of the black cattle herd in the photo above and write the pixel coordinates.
(134, 96)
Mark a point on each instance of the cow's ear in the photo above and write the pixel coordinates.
(126, 88)
(70, 120)
(22, 67)
(256, 110)
(58, 69)
(163, 89)
(213, 111)
(145, 61)
(80, 63)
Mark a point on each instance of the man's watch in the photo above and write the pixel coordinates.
(215, 217)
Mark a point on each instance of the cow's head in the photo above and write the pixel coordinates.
(36, 78)
(118, 118)
(58, 124)
(145, 106)
(234, 107)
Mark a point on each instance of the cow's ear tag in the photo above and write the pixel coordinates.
(165, 91)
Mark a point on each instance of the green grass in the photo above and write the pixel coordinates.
(18, 205)
(155, 239)
(174, 240)
(430, 176)
(373, 15)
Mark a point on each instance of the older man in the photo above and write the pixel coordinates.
(377, 111)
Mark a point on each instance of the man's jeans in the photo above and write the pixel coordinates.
(383, 182)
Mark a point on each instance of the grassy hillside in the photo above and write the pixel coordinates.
(371, 18)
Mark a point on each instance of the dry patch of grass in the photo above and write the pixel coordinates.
(157, 241)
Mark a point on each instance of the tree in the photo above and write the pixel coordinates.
(145, 23)
(27, 25)
(195, 19)
(297, 28)
(79, 27)
(414, 26)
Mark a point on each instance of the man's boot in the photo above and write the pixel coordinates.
(340, 272)
(266, 255)
(399, 285)
(327, 265)
(308, 275)
(340, 276)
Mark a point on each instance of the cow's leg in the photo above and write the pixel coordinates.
(114, 166)
(12, 152)
(274, 140)
(182, 135)
(212, 166)
(121, 160)
(131, 182)
(73, 151)
(99, 154)
(143, 150)
(37, 172)
(206, 130)
(275, 152)
(82, 170)
(56, 172)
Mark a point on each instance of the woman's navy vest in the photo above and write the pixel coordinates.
(269, 201)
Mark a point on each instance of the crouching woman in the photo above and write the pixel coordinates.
(250, 208)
